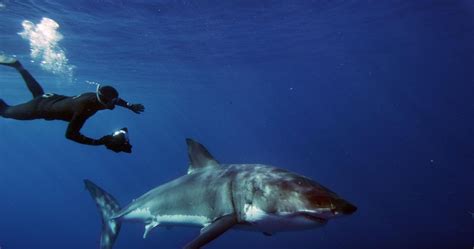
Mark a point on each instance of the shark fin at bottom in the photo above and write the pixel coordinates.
(212, 231)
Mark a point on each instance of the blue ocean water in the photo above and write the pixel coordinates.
(373, 99)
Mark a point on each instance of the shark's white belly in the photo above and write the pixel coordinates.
(260, 221)
(193, 220)
(145, 215)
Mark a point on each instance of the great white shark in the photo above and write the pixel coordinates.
(220, 197)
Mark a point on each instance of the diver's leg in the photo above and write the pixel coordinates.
(3, 107)
(26, 111)
(33, 85)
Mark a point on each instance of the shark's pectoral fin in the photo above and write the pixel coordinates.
(213, 231)
(149, 227)
(204, 229)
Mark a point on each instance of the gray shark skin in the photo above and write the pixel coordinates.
(219, 197)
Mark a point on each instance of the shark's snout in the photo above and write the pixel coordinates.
(327, 200)
(342, 207)
(346, 208)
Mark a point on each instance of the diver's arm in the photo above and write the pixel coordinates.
(136, 108)
(73, 132)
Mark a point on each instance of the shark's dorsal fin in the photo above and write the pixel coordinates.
(199, 157)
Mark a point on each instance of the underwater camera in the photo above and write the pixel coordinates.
(120, 141)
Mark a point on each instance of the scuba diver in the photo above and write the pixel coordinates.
(75, 110)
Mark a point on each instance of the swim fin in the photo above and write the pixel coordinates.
(7, 60)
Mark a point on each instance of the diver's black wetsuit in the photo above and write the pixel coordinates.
(75, 110)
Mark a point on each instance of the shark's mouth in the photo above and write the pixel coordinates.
(313, 217)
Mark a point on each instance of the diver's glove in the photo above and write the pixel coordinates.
(105, 139)
(118, 142)
(136, 108)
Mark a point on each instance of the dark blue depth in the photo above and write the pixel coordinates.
(373, 99)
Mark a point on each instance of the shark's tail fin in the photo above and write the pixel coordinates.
(107, 206)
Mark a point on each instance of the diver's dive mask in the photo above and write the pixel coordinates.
(107, 96)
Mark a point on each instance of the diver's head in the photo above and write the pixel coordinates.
(107, 96)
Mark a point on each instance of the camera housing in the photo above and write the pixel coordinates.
(120, 141)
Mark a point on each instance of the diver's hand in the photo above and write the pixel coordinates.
(108, 142)
(137, 108)
(113, 148)
(110, 145)
(106, 139)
